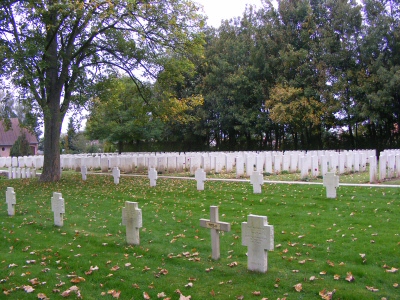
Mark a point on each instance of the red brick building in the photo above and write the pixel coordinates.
(8, 138)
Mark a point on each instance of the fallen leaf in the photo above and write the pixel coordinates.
(256, 293)
(312, 278)
(371, 288)
(115, 268)
(78, 279)
(326, 295)
(189, 285)
(336, 277)
(350, 277)
(161, 295)
(392, 270)
(298, 287)
(28, 288)
(182, 297)
(34, 281)
(116, 294)
(233, 264)
(42, 296)
(146, 296)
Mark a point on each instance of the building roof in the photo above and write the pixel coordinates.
(8, 138)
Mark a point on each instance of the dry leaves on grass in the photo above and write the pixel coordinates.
(298, 287)
(350, 277)
(114, 293)
(372, 289)
(325, 295)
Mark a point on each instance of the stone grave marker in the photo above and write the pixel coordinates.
(132, 219)
(215, 226)
(18, 173)
(200, 177)
(84, 172)
(116, 174)
(331, 182)
(257, 180)
(10, 172)
(153, 176)
(58, 207)
(258, 236)
(11, 201)
(28, 172)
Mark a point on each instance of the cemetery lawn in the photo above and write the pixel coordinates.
(349, 246)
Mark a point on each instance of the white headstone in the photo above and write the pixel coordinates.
(132, 219)
(18, 173)
(11, 201)
(331, 182)
(200, 177)
(84, 172)
(257, 180)
(10, 172)
(58, 207)
(28, 172)
(239, 166)
(23, 173)
(215, 226)
(153, 176)
(116, 174)
(258, 236)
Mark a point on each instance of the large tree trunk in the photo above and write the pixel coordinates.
(52, 128)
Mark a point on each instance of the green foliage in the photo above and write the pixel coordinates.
(21, 147)
(75, 43)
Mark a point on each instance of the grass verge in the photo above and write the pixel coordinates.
(350, 245)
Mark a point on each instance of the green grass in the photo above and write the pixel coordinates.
(312, 235)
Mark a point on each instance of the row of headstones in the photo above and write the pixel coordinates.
(330, 180)
(257, 235)
(22, 161)
(17, 172)
(389, 164)
(316, 162)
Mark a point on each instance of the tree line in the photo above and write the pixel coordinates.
(306, 74)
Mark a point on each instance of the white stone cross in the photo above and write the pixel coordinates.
(132, 219)
(84, 172)
(11, 201)
(153, 176)
(257, 180)
(200, 177)
(58, 207)
(215, 226)
(258, 236)
(331, 182)
(116, 174)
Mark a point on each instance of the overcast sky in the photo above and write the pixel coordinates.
(218, 10)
